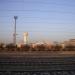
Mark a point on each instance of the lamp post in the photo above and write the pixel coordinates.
(15, 18)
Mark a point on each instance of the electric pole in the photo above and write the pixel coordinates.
(14, 36)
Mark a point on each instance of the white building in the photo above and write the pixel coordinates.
(25, 37)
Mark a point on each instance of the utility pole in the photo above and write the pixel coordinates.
(14, 36)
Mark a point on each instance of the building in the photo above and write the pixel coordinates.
(25, 37)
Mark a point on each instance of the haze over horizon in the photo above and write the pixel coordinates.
(44, 20)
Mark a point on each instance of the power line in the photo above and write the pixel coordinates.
(34, 22)
(30, 1)
(40, 2)
(35, 10)
(41, 11)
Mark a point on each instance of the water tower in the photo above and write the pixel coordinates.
(25, 37)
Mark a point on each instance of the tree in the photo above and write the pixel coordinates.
(2, 45)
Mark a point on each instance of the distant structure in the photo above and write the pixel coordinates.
(14, 35)
(70, 42)
(25, 37)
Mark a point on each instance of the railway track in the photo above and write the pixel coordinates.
(54, 72)
(37, 64)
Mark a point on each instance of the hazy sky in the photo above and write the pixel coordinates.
(45, 20)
